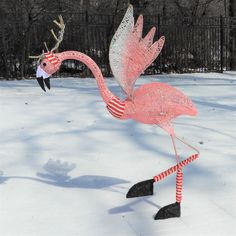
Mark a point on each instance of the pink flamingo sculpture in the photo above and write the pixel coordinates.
(155, 103)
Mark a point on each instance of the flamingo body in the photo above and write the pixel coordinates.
(157, 103)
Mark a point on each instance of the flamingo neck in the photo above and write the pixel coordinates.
(91, 64)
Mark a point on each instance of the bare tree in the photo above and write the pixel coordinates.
(232, 13)
(195, 8)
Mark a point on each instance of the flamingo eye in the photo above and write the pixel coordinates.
(44, 64)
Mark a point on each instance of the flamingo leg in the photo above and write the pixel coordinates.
(145, 188)
(179, 175)
(173, 210)
(187, 144)
(181, 164)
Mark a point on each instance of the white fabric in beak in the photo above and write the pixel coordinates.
(41, 73)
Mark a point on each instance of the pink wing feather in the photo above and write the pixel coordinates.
(129, 53)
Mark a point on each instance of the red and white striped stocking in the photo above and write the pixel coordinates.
(179, 185)
(173, 169)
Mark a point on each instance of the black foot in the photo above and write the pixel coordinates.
(141, 189)
(169, 211)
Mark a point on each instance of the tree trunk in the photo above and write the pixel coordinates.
(4, 56)
(232, 13)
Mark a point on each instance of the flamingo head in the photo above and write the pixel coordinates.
(49, 64)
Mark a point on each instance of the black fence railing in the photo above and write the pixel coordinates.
(192, 45)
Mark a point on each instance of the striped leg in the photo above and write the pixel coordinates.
(173, 210)
(145, 188)
(174, 169)
(179, 185)
(179, 176)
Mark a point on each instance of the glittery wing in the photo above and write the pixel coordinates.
(129, 53)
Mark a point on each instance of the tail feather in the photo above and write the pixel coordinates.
(138, 28)
(148, 39)
(156, 48)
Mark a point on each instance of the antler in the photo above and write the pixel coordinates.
(38, 57)
(58, 39)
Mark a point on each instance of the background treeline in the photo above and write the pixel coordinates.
(201, 34)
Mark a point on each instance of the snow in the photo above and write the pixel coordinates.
(67, 164)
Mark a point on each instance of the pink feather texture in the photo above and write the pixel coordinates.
(158, 103)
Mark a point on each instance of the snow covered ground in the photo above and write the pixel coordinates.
(66, 164)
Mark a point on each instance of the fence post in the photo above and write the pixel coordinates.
(159, 35)
(158, 25)
(221, 44)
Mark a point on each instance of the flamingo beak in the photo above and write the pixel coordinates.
(43, 78)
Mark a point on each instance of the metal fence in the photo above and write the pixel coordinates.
(192, 45)
(195, 45)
